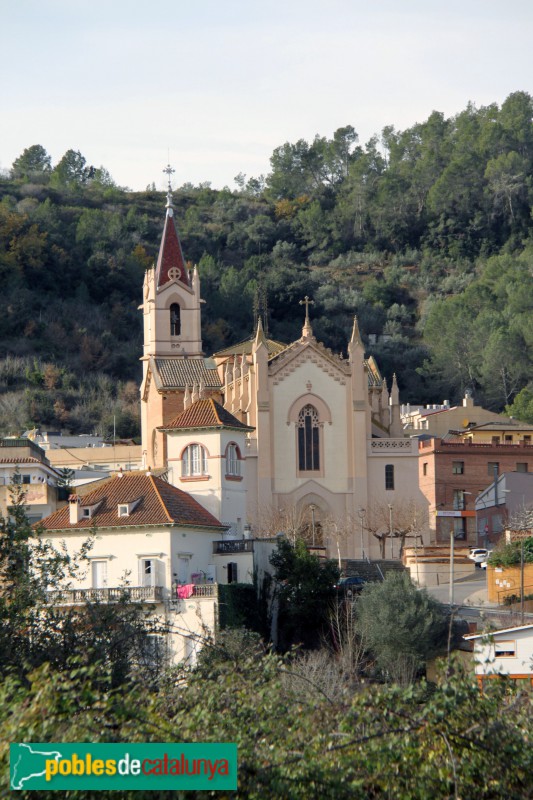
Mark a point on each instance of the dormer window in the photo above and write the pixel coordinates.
(125, 509)
(86, 512)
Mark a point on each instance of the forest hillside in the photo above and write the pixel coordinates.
(425, 234)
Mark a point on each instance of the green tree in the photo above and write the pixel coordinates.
(70, 170)
(305, 590)
(34, 162)
(402, 626)
(522, 406)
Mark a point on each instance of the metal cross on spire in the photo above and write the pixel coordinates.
(168, 171)
(307, 330)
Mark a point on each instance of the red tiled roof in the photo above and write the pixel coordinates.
(28, 460)
(159, 504)
(170, 255)
(205, 414)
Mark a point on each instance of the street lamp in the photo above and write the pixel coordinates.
(362, 514)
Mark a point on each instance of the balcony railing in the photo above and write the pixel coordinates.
(132, 594)
(233, 546)
(205, 590)
(390, 446)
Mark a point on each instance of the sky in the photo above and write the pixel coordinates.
(214, 86)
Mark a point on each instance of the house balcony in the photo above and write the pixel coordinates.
(130, 594)
(233, 546)
(205, 590)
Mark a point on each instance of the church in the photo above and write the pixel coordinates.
(269, 436)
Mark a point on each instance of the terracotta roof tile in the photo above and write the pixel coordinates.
(205, 414)
(170, 255)
(160, 504)
(28, 460)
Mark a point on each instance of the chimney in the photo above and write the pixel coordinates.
(74, 508)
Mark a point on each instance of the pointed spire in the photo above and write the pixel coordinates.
(228, 375)
(236, 368)
(356, 336)
(394, 391)
(194, 396)
(170, 262)
(186, 397)
(260, 337)
(307, 331)
(201, 389)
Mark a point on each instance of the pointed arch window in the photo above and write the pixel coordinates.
(175, 319)
(308, 440)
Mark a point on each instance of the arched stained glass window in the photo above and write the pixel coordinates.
(308, 439)
(175, 319)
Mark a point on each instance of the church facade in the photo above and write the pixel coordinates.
(271, 436)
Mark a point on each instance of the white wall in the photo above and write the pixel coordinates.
(336, 467)
(521, 664)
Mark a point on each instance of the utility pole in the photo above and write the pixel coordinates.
(522, 581)
(452, 557)
(361, 513)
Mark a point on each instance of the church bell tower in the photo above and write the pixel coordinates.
(172, 334)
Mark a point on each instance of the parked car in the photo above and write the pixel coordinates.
(478, 555)
(351, 585)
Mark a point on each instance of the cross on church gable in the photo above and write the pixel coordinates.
(307, 302)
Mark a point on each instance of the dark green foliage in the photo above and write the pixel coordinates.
(410, 744)
(510, 554)
(237, 603)
(305, 590)
(402, 626)
(424, 233)
(522, 406)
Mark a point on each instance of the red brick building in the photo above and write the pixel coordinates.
(452, 472)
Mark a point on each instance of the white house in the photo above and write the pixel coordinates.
(24, 462)
(505, 652)
(154, 540)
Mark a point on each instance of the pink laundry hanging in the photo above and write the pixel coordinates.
(185, 591)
